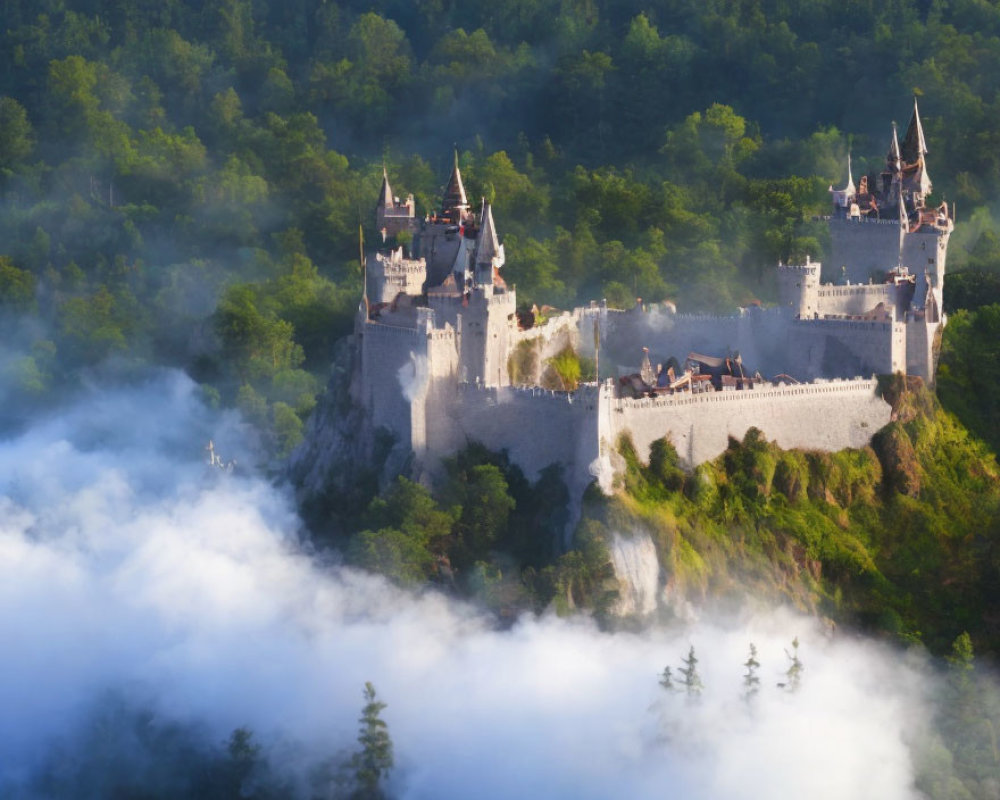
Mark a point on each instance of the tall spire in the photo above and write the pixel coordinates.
(914, 143)
(454, 193)
(894, 155)
(385, 195)
(850, 188)
(904, 223)
(489, 243)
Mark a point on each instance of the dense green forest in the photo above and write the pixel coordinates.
(182, 182)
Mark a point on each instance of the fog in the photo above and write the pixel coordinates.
(129, 566)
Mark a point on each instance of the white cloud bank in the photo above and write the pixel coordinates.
(126, 565)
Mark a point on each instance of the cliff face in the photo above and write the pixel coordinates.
(341, 462)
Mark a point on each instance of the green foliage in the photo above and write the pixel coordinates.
(566, 371)
(17, 286)
(406, 531)
(257, 343)
(689, 672)
(969, 371)
(793, 675)
(374, 758)
(900, 537)
(16, 137)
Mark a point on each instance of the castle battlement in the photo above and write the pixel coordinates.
(402, 265)
(502, 394)
(855, 323)
(762, 392)
(804, 269)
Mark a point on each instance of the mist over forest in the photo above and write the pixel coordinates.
(181, 190)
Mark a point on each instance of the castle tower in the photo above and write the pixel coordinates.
(798, 287)
(391, 215)
(866, 246)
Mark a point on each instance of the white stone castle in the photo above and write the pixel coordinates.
(444, 359)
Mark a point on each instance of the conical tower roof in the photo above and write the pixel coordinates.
(894, 156)
(914, 143)
(454, 192)
(385, 195)
(489, 243)
(849, 189)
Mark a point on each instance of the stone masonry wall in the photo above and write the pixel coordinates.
(845, 348)
(823, 416)
(872, 246)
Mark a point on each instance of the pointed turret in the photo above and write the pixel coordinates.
(912, 152)
(385, 195)
(914, 144)
(489, 257)
(894, 157)
(454, 194)
(489, 243)
(849, 189)
(392, 216)
(842, 198)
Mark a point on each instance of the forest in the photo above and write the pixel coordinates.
(182, 184)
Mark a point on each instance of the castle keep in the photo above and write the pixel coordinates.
(443, 358)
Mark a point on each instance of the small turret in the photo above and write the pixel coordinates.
(385, 195)
(455, 204)
(489, 252)
(914, 144)
(489, 244)
(844, 198)
(893, 158)
(391, 215)
(798, 286)
(916, 180)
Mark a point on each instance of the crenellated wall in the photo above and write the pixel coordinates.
(821, 416)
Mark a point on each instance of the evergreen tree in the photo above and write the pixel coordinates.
(374, 758)
(667, 680)
(794, 672)
(692, 681)
(751, 683)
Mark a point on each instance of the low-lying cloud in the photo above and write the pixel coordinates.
(127, 565)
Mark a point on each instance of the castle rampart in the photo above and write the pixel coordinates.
(825, 416)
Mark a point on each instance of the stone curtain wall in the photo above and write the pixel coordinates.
(822, 416)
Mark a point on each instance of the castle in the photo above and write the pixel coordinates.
(444, 359)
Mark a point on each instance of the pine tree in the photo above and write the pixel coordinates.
(751, 683)
(374, 759)
(692, 682)
(667, 680)
(794, 672)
